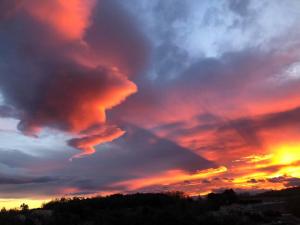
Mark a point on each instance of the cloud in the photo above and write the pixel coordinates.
(7, 111)
(288, 181)
(250, 129)
(216, 86)
(136, 155)
(74, 72)
(239, 6)
(8, 8)
(170, 178)
(116, 39)
(70, 19)
(293, 182)
(75, 98)
(212, 107)
(24, 180)
(164, 153)
(16, 158)
(87, 143)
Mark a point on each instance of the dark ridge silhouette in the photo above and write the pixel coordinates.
(172, 208)
(294, 191)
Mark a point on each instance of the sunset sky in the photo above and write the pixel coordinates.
(107, 96)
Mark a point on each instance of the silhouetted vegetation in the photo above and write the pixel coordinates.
(145, 209)
(288, 192)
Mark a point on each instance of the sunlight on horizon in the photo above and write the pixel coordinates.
(287, 154)
(16, 203)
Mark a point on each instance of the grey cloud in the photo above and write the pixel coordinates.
(139, 153)
(8, 7)
(17, 180)
(248, 128)
(239, 6)
(115, 36)
(8, 112)
(288, 181)
(16, 159)
(293, 182)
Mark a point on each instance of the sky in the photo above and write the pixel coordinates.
(109, 96)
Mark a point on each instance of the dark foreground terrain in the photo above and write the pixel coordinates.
(227, 208)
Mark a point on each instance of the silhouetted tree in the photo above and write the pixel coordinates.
(24, 207)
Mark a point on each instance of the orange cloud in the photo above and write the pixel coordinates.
(87, 143)
(170, 177)
(75, 100)
(69, 18)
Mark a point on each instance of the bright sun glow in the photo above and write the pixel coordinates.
(287, 154)
(15, 203)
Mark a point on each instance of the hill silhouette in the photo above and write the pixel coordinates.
(226, 208)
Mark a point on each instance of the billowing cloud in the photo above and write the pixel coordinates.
(75, 99)
(56, 74)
